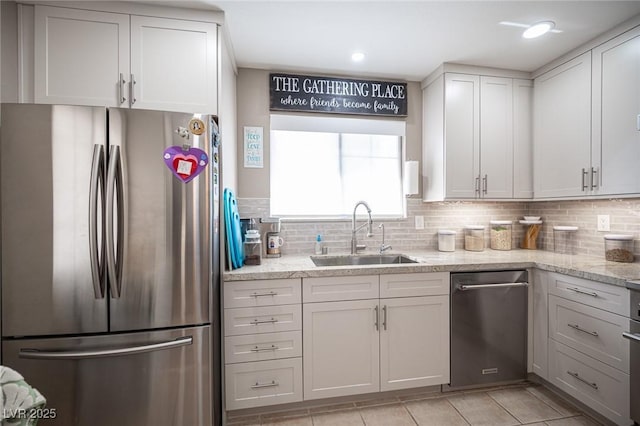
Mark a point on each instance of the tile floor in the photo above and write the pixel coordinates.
(522, 404)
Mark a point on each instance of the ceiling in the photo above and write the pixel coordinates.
(408, 39)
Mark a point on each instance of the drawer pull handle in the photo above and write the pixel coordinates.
(272, 348)
(577, 327)
(589, 293)
(630, 336)
(577, 376)
(257, 321)
(265, 385)
(269, 293)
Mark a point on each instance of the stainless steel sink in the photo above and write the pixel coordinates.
(363, 259)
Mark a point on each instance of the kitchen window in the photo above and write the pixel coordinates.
(321, 167)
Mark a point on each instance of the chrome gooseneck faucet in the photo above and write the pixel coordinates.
(354, 241)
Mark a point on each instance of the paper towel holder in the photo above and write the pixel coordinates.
(411, 177)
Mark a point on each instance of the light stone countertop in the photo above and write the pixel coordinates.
(588, 267)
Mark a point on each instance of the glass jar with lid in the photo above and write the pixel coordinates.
(446, 240)
(252, 247)
(474, 237)
(501, 233)
(563, 239)
(619, 248)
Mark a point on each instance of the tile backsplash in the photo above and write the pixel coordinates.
(299, 237)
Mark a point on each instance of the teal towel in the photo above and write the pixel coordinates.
(18, 400)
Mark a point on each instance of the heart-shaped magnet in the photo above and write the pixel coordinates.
(185, 164)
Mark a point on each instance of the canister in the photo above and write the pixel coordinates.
(501, 234)
(474, 237)
(563, 239)
(446, 240)
(619, 248)
(252, 247)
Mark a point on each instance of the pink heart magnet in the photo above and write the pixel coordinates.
(185, 164)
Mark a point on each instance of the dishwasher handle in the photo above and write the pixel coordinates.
(465, 287)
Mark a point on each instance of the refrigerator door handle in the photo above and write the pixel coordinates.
(96, 182)
(114, 207)
(65, 355)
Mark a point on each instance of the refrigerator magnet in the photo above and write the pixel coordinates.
(185, 163)
(196, 126)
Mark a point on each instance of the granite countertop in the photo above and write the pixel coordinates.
(589, 267)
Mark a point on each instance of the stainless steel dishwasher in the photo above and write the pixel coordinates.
(634, 342)
(488, 328)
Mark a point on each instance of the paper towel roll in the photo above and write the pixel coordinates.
(411, 176)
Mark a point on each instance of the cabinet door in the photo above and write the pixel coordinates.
(173, 65)
(414, 342)
(562, 129)
(616, 115)
(80, 56)
(462, 135)
(496, 137)
(540, 323)
(340, 348)
(522, 139)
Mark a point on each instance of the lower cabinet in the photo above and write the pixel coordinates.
(414, 342)
(587, 356)
(361, 346)
(340, 342)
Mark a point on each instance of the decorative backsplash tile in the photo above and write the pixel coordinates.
(299, 237)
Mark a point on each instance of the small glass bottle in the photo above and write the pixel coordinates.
(252, 247)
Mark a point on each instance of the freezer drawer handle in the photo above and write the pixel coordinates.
(577, 376)
(257, 321)
(465, 287)
(271, 348)
(63, 355)
(265, 385)
(577, 327)
(270, 293)
(630, 336)
(588, 293)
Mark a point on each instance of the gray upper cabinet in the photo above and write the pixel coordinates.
(587, 123)
(99, 58)
(562, 130)
(616, 115)
(477, 137)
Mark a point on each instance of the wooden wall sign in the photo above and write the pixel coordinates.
(289, 92)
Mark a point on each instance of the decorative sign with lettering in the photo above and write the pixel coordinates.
(253, 147)
(290, 92)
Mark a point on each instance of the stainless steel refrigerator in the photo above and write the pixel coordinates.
(110, 273)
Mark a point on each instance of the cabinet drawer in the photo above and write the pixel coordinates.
(599, 295)
(256, 384)
(409, 285)
(331, 289)
(592, 382)
(240, 294)
(267, 319)
(591, 331)
(262, 347)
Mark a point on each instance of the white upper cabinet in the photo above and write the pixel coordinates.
(562, 130)
(496, 137)
(173, 64)
(119, 60)
(477, 138)
(522, 138)
(616, 115)
(462, 134)
(80, 56)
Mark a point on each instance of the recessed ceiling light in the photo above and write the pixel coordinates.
(538, 29)
(519, 25)
(357, 57)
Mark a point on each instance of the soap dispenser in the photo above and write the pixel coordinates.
(318, 248)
